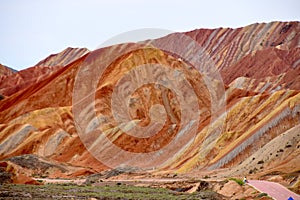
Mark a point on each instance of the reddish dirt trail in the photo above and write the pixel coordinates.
(274, 190)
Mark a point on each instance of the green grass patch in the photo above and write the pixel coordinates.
(69, 191)
(238, 181)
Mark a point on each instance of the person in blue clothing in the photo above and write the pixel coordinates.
(245, 180)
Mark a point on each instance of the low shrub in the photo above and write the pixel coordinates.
(238, 181)
(262, 195)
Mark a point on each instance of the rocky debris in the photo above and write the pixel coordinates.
(190, 186)
(98, 177)
(11, 173)
(210, 195)
(233, 190)
(35, 163)
(230, 189)
(39, 167)
(5, 176)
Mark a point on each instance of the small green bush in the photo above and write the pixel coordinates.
(238, 181)
(262, 195)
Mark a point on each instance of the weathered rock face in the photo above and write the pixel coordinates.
(227, 46)
(63, 58)
(11, 173)
(48, 110)
(11, 83)
(279, 62)
(5, 71)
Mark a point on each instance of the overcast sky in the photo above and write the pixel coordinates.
(33, 29)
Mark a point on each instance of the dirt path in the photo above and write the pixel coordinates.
(81, 181)
(49, 180)
(274, 190)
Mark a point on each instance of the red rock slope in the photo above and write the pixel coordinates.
(5, 71)
(63, 58)
(258, 63)
(12, 83)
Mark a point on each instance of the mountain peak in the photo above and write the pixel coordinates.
(64, 57)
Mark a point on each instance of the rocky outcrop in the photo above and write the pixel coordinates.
(11, 173)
